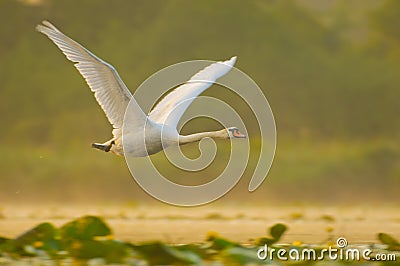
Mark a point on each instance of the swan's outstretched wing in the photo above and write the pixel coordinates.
(170, 109)
(110, 91)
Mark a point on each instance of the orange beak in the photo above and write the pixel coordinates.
(237, 134)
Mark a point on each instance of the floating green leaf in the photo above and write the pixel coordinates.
(393, 244)
(84, 228)
(200, 250)
(38, 235)
(265, 241)
(41, 232)
(3, 242)
(219, 243)
(240, 255)
(276, 233)
(327, 218)
(157, 253)
(112, 251)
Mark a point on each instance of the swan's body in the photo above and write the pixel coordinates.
(158, 128)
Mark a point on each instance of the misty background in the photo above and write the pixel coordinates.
(329, 69)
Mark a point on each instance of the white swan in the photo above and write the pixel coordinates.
(159, 127)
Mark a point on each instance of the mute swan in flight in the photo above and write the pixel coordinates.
(158, 128)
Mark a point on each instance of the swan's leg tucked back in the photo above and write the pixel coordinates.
(105, 146)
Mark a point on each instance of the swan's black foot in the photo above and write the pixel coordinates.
(102, 147)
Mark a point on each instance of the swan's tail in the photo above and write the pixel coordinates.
(103, 147)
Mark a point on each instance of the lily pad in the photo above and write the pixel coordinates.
(112, 251)
(41, 233)
(84, 228)
(219, 243)
(157, 253)
(3, 240)
(240, 255)
(276, 233)
(393, 244)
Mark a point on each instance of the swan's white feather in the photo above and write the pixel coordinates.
(113, 96)
(171, 108)
(109, 89)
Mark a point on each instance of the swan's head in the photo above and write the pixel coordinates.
(233, 132)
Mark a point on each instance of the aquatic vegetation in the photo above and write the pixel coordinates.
(89, 240)
(276, 233)
(391, 242)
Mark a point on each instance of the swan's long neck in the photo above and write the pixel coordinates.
(220, 134)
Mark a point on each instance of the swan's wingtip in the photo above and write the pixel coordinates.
(231, 61)
(45, 24)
